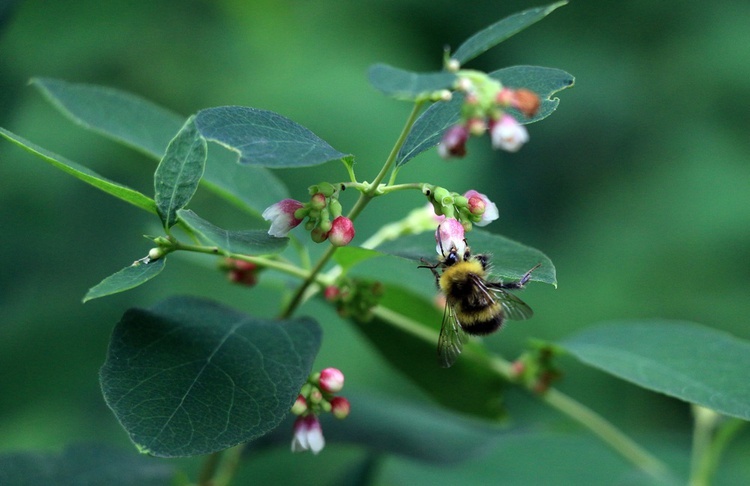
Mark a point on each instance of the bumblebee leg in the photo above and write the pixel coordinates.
(432, 269)
(519, 285)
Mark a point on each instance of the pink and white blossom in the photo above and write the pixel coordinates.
(450, 235)
(281, 216)
(453, 143)
(508, 134)
(481, 205)
(308, 435)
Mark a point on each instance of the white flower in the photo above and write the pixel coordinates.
(479, 204)
(508, 134)
(450, 238)
(281, 216)
(308, 436)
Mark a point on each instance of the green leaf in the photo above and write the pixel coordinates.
(680, 359)
(87, 464)
(251, 189)
(264, 138)
(129, 277)
(405, 330)
(248, 242)
(148, 128)
(510, 259)
(190, 376)
(429, 128)
(349, 256)
(491, 36)
(179, 172)
(407, 85)
(83, 173)
(124, 117)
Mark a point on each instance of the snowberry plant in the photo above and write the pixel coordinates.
(190, 376)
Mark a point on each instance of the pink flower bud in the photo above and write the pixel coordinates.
(331, 293)
(300, 406)
(340, 407)
(479, 204)
(281, 216)
(308, 435)
(508, 134)
(331, 380)
(450, 237)
(342, 231)
(453, 143)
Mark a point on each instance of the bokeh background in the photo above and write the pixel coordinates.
(637, 188)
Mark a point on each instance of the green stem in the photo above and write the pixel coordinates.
(607, 432)
(396, 147)
(262, 261)
(364, 199)
(227, 469)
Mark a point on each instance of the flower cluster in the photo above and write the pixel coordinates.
(470, 208)
(323, 213)
(354, 298)
(536, 368)
(485, 106)
(317, 396)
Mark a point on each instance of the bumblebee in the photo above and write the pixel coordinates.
(474, 305)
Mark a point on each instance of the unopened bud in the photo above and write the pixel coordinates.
(331, 380)
(318, 201)
(340, 407)
(155, 253)
(300, 405)
(342, 231)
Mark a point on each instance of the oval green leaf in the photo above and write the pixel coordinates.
(264, 138)
(148, 128)
(85, 464)
(491, 36)
(408, 85)
(179, 172)
(123, 117)
(247, 242)
(429, 128)
(83, 173)
(190, 376)
(680, 359)
(510, 259)
(129, 277)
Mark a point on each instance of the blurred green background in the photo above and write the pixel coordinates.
(637, 188)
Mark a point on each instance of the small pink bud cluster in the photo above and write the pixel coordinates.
(470, 208)
(354, 298)
(317, 396)
(323, 213)
(241, 272)
(485, 105)
(535, 369)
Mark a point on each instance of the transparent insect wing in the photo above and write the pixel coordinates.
(513, 307)
(451, 340)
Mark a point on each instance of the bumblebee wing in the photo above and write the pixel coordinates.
(513, 307)
(451, 340)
